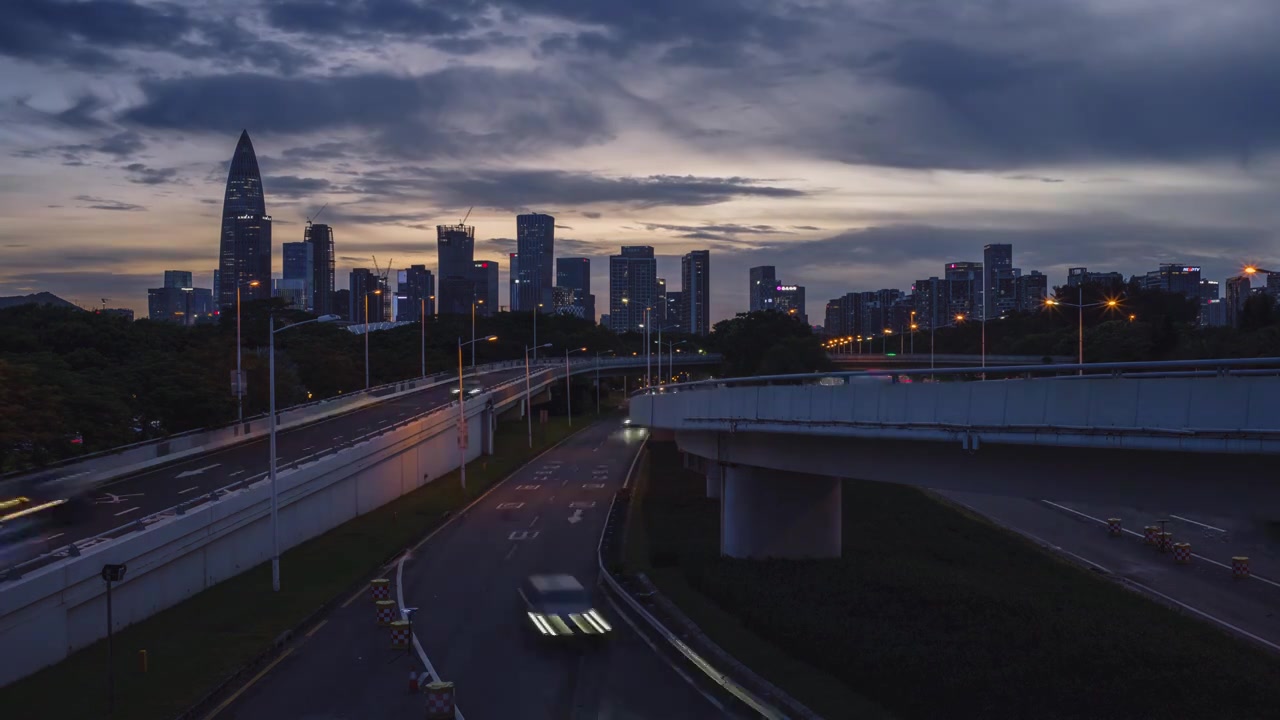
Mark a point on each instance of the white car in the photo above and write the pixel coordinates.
(558, 606)
(473, 389)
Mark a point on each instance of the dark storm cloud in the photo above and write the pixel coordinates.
(524, 189)
(723, 25)
(489, 111)
(96, 203)
(722, 229)
(363, 17)
(972, 107)
(293, 186)
(143, 175)
(86, 33)
(67, 31)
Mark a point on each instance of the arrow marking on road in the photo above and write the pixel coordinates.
(191, 473)
(576, 517)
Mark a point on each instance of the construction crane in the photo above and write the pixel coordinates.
(104, 304)
(463, 221)
(313, 217)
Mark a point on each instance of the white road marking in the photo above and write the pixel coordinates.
(198, 471)
(511, 552)
(126, 512)
(522, 535)
(585, 504)
(592, 486)
(422, 655)
(510, 506)
(193, 487)
(528, 487)
(576, 517)
(238, 472)
(1193, 522)
(55, 537)
(309, 447)
(1136, 534)
(337, 437)
(534, 521)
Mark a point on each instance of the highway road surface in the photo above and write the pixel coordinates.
(547, 518)
(1205, 588)
(136, 496)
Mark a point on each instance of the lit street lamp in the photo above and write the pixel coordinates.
(528, 396)
(885, 342)
(568, 387)
(275, 501)
(239, 350)
(462, 413)
(671, 355)
(1080, 306)
(366, 334)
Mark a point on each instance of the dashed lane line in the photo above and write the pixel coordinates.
(1136, 534)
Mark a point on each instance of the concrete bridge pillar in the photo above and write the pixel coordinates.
(488, 426)
(715, 479)
(772, 514)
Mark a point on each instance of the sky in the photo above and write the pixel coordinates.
(855, 145)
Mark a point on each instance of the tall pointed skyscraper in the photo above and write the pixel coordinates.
(244, 254)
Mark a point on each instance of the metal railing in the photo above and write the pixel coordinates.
(74, 548)
(1220, 367)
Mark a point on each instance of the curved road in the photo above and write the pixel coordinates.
(151, 491)
(470, 621)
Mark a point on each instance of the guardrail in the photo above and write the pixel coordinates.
(74, 549)
(766, 706)
(1219, 367)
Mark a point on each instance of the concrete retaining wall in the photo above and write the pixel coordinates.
(61, 608)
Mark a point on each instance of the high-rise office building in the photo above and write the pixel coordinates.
(1078, 275)
(417, 286)
(964, 289)
(1174, 278)
(342, 304)
(456, 246)
(997, 265)
(695, 277)
(320, 237)
(575, 274)
(513, 282)
(1208, 290)
(760, 284)
(633, 286)
(535, 243)
(660, 318)
(562, 302)
(217, 282)
(363, 284)
(178, 279)
(299, 271)
(931, 302)
(1032, 290)
(293, 292)
(1237, 293)
(244, 252)
(790, 299)
(484, 275)
(833, 319)
(676, 318)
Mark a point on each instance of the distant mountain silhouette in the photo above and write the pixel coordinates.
(41, 298)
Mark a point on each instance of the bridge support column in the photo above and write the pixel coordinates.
(488, 426)
(772, 514)
(715, 479)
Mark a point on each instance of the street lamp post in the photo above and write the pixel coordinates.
(1080, 306)
(528, 396)
(239, 352)
(535, 345)
(275, 499)
(648, 369)
(366, 335)
(885, 342)
(602, 352)
(568, 387)
(462, 412)
(473, 332)
(422, 318)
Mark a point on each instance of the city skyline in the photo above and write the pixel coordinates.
(881, 178)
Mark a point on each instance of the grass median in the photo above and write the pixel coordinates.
(933, 612)
(199, 643)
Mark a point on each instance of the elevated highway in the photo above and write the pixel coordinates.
(1195, 434)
